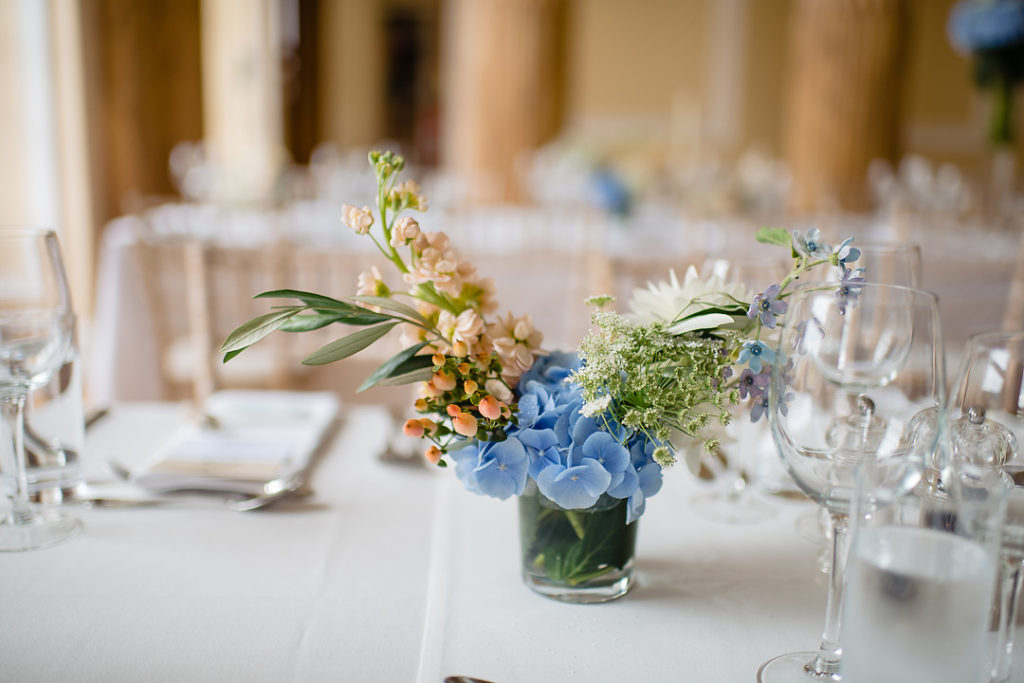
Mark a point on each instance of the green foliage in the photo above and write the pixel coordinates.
(402, 363)
(777, 236)
(251, 332)
(347, 346)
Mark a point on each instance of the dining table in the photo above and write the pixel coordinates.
(387, 571)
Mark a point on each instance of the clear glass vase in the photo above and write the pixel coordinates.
(579, 556)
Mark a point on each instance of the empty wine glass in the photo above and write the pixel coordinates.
(857, 375)
(986, 424)
(888, 263)
(35, 334)
(734, 463)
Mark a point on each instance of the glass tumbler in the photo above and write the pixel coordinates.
(920, 577)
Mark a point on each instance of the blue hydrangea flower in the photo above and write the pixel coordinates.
(500, 470)
(767, 305)
(810, 244)
(753, 384)
(575, 459)
(552, 369)
(845, 254)
(849, 289)
(574, 485)
(755, 354)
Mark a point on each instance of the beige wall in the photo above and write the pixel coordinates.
(637, 62)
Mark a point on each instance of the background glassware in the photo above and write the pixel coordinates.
(858, 374)
(737, 465)
(890, 263)
(55, 434)
(35, 334)
(921, 574)
(986, 424)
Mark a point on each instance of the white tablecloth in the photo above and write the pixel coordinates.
(387, 573)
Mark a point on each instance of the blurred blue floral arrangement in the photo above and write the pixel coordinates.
(992, 31)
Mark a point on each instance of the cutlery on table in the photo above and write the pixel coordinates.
(274, 491)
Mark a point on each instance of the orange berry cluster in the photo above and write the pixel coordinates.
(457, 394)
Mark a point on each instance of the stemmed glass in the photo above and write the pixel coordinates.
(858, 375)
(888, 263)
(35, 333)
(986, 424)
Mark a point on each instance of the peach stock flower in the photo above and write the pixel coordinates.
(371, 283)
(405, 230)
(359, 220)
(516, 342)
(496, 388)
(466, 327)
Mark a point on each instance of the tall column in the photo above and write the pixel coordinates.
(242, 105)
(351, 79)
(501, 72)
(843, 98)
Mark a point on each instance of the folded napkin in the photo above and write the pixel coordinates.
(248, 439)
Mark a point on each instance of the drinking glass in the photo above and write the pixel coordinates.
(888, 263)
(921, 574)
(735, 464)
(857, 375)
(35, 334)
(986, 424)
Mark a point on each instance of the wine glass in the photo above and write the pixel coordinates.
(735, 462)
(858, 375)
(890, 263)
(35, 334)
(986, 425)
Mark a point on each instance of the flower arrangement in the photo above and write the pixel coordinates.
(587, 431)
(993, 32)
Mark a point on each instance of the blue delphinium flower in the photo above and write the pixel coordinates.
(759, 406)
(849, 289)
(810, 244)
(755, 354)
(845, 254)
(767, 305)
(753, 384)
